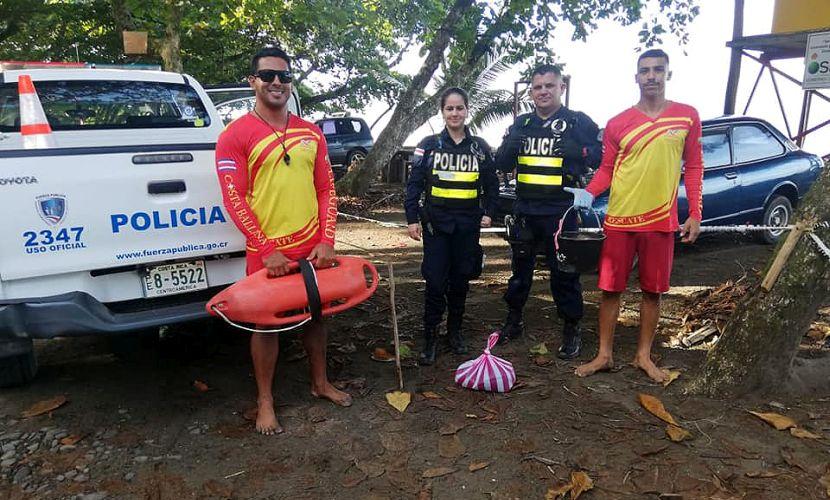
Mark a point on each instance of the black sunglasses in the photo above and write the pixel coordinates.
(268, 75)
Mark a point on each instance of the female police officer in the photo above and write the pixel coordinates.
(455, 171)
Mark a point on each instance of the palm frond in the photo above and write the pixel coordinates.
(489, 108)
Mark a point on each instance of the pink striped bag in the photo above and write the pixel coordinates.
(487, 372)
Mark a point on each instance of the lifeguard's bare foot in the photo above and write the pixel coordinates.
(653, 371)
(598, 364)
(266, 419)
(331, 393)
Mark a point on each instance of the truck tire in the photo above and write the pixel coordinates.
(355, 158)
(779, 212)
(18, 370)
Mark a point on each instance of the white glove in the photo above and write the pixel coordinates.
(582, 198)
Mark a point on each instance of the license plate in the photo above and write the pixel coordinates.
(170, 279)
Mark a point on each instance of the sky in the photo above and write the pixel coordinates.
(602, 74)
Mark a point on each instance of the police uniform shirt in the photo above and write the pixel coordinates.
(459, 182)
(532, 146)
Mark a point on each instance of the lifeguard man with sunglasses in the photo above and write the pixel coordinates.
(277, 186)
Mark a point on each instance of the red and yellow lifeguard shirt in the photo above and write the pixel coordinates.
(641, 163)
(278, 205)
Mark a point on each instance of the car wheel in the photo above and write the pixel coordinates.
(779, 212)
(18, 370)
(354, 159)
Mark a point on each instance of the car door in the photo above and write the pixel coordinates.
(721, 182)
(337, 153)
(757, 153)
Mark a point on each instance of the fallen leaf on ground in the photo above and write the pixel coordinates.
(431, 395)
(626, 321)
(399, 400)
(542, 360)
(405, 351)
(71, 440)
(789, 457)
(776, 404)
(581, 483)
(451, 428)
(437, 472)
(450, 446)
(656, 408)
(215, 488)
(653, 451)
(803, 433)
(45, 406)
(554, 493)
(677, 434)
(353, 480)
(347, 348)
(200, 386)
(478, 466)
(776, 420)
(764, 473)
(539, 349)
(357, 384)
(380, 354)
(825, 481)
(371, 469)
(671, 376)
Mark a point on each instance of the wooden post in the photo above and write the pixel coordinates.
(735, 60)
(781, 257)
(397, 340)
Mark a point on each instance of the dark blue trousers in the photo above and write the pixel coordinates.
(451, 260)
(564, 287)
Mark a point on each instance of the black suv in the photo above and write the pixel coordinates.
(349, 140)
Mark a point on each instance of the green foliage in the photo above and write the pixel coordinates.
(343, 49)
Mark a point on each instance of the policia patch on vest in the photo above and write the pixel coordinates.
(455, 179)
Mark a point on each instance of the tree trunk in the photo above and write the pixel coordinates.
(170, 48)
(761, 339)
(402, 122)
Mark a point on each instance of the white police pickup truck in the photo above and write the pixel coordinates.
(120, 226)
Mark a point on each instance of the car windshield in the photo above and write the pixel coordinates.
(93, 104)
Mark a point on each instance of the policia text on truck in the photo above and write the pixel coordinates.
(549, 149)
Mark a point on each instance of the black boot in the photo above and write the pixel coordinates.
(429, 351)
(571, 340)
(513, 327)
(454, 334)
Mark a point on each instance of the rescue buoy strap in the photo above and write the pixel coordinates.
(315, 305)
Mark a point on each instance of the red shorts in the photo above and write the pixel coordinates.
(655, 251)
(253, 261)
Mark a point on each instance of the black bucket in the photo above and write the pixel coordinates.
(578, 251)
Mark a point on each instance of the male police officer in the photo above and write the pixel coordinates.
(550, 149)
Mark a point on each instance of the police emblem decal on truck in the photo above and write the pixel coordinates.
(51, 208)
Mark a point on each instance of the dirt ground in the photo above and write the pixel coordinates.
(134, 425)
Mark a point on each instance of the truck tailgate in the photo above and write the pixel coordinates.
(111, 207)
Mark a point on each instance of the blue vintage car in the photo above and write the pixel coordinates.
(753, 174)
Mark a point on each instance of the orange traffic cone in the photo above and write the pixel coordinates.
(34, 127)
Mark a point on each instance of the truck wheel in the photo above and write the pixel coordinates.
(354, 159)
(18, 370)
(779, 212)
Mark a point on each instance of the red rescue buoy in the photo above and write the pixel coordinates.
(263, 300)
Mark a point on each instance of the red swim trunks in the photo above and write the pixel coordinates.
(655, 251)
